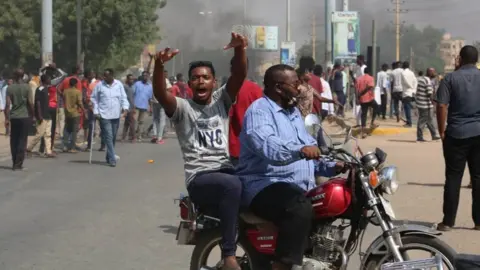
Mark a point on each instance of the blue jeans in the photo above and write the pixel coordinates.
(407, 107)
(225, 204)
(109, 128)
(159, 121)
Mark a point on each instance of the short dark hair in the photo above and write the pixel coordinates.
(361, 57)
(109, 70)
(145, 73)
(385, 66)
(197, 64)
(394, 64)
(45, 78)
(469, 54)
(72, 82)
(272, 74)
(406, 64)
(318, 70)
(129, 75)
(420, 73)
(179, 76)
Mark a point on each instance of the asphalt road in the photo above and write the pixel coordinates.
(67, 214)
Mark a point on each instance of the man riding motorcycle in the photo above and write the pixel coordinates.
(277, 167)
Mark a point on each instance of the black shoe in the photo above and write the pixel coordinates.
(443, 228)
(421, 140)
(436, 138)
(102, 149)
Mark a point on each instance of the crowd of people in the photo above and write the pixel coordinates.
(54, 105)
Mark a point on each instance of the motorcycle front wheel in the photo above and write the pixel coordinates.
(425, 243)
(206, 242)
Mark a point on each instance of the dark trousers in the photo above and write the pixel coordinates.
(365, 108)
(286, 206)
(425, 118)
(18, 140)
(407, 108)
(458, 153)
(71, 131)
(383, 107)
(129, 126)
(234, 161)
(341, 98)
(396, 98)
(221, 193)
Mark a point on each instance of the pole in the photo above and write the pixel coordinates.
(47, 33)
(244, 12)
(397, 29)
(314, 37)
(288, 21)
(374, 49)
(79, 34)
(412, 66)
(345, 5)
(329, 8)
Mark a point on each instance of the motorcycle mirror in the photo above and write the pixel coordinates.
(311, 120)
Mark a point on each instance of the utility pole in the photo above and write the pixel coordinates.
(288, 21)
(374, 49)
(345, 5)
(314, 37)
(79, 34)
(398, 24)
(47, 33)
(412, 55)
(329, 9)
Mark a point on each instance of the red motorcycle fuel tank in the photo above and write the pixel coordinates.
(331, 198)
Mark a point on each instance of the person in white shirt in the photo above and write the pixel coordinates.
(397, 88)
(359, 71)
(409, 85)
(382, 87)
(327, 108)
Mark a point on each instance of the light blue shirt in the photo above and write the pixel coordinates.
(270, 144)
(109, 100)
(142, 94)
(3, 97)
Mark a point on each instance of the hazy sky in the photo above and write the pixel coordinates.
(181, 17)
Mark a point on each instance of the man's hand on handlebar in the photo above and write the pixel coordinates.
(340, 167)
(310, 152)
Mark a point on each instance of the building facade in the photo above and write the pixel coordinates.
(449, 51)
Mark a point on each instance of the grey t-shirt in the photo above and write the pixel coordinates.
(202, 132)
(460, 90)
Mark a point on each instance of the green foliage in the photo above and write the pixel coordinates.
(423, 43)
(114, 32)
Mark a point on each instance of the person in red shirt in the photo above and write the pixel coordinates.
(307, 63)
(249, 92)
(65, 85)
(181, 88)
(364, 86)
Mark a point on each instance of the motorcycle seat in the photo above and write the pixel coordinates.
(251, 218)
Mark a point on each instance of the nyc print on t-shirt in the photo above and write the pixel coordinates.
(210, 137)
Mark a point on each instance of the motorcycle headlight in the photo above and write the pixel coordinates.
(388, 179)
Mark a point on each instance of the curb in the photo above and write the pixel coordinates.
(391, 131)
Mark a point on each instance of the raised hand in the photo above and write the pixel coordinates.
(166, 55)
(237, 41)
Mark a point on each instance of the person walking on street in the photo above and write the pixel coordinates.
(458, 99)
(397, 88)
(364, 86)
(424, 102)
(44, 119)
(61, 108)
(142, 95)
(109, 99)
(129, 124)
(87, 114)
(73, 107)
(409, 87)
(18, 115)
(383, 85)
(3, 102)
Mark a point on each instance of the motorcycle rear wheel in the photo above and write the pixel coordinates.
(207, 240)
(417, 242)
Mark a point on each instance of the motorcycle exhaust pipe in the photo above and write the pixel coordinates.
(207, 268)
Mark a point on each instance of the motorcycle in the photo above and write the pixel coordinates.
(352, 202)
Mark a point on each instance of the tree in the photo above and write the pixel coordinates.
(114, 32)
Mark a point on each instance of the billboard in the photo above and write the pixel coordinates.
(288, 53)
(346, 35)
(260, 37)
